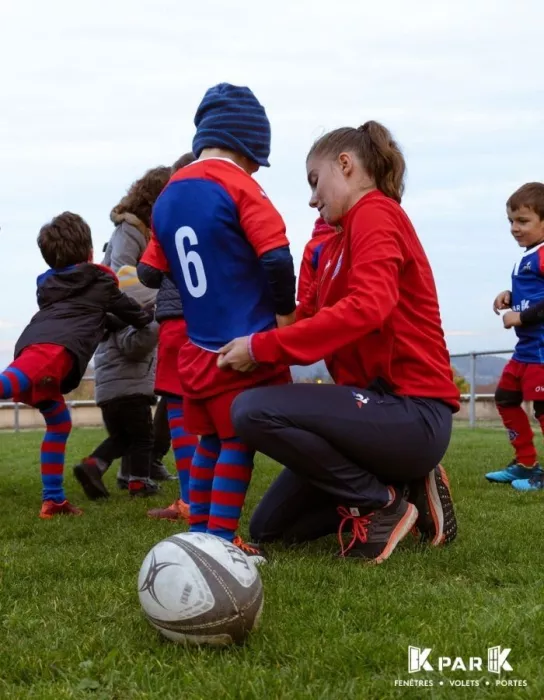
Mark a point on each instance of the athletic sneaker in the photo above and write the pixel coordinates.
(436, 522)
(179, 510)
(140, 488)
(159, 472)
(51, 508)
(513, 472)
(89, 475)
(375, 535)
(252, 551)
(122, 483)
(535, 483)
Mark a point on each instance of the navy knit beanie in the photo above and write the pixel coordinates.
(232, 117)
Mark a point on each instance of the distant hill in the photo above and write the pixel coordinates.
(488, 368)
(316, 371)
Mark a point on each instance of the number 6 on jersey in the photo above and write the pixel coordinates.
(191, 257)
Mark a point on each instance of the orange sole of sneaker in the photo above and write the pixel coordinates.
(399, 533)
(48, 516)
(169, 520)
(437, 513)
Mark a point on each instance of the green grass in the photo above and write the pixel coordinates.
(71, 626)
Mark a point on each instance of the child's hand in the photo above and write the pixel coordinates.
(283, 321)
(503, 301)
(511, 319)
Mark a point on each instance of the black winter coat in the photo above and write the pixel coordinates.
(74, 304)
(168, 299)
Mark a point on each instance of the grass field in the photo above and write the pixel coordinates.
(71, 626)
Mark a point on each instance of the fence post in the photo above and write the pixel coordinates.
(16, 418)
(472, 401)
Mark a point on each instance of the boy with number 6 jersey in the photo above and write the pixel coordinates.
(224, 244)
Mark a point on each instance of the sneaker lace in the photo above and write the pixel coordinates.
(359, 528)
(245, 547)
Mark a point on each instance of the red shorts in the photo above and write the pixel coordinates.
(525, 378)
(46, 365)
(212, 415)
(172, 335)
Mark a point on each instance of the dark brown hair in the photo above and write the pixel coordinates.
(182, 161)
(65, 240)
(378, 152)
(142, 194)
(530, 195)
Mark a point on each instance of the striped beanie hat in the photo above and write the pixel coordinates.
(132, 287)
(232, 117)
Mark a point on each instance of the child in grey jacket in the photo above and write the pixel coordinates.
(124, 389)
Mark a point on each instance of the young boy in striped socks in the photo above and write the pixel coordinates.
(224, 244)
(52, 354)
(172, 334)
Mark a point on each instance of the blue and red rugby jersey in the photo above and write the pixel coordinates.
(211, 224)
(528, 290)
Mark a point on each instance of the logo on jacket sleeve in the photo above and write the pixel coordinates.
(360, 399)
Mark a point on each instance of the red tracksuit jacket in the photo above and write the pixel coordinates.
(322, 231)
(373, 310)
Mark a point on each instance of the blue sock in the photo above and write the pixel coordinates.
(58, 426)
(12, 382)
(183, 443)
(201, 480)
(231, 479)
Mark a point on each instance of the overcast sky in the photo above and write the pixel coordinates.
(92, 95)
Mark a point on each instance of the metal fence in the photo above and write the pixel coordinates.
(489, 414)
(16, 408)
(480, 406)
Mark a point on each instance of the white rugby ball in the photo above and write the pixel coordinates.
(200, 589)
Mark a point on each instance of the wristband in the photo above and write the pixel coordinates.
(250, 349)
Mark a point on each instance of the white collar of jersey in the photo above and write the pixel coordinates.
(524, 254)
(228, 160)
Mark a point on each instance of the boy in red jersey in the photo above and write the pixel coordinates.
(52, 354)
(310, 257)
(224, 244)
(172, 335)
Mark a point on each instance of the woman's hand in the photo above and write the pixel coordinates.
(502, 301)
(511, 319)
(288, 320)
(236, 355)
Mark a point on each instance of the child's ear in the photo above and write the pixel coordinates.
(91, 256)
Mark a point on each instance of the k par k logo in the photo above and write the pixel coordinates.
(497, 661)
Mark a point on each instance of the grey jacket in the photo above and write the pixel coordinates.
(127, 243)
(124, 364)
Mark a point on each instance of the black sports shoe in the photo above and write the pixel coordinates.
(89, 476)
(252, 551)
(431, 496)
(122, 483)
(375, 535)
(159, 472)
(140, 488)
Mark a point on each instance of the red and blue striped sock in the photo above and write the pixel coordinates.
(230, 483)
(58, 426)
(13, 382)
(201, 480)
(183, 443)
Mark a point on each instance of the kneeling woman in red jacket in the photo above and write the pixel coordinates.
(363, 452)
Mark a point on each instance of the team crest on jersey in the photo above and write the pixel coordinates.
(360, 400)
